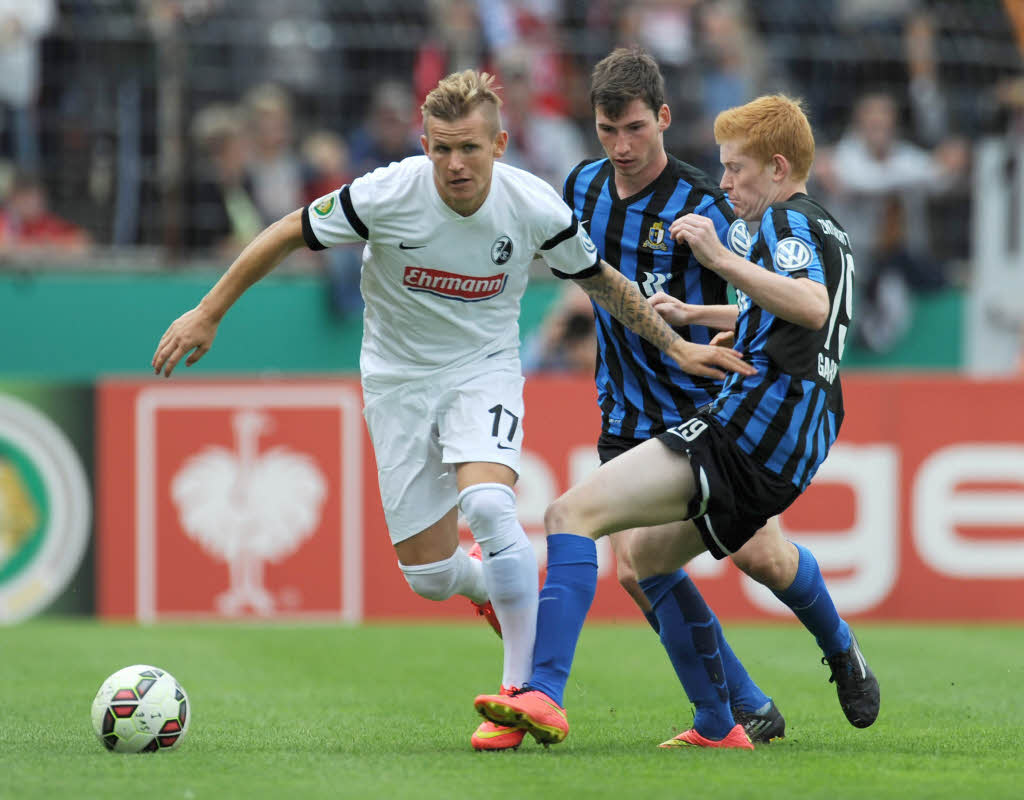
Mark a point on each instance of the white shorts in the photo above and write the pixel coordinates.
(421, 429)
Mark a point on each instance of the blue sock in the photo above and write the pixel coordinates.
(809, 599)
(743, 692)
(689, 637)
(564, 602)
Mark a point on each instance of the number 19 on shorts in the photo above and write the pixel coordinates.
(690, 429)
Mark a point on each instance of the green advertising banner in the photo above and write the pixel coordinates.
(46, 518)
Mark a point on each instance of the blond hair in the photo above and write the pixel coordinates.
(460, 94)
(768, 125)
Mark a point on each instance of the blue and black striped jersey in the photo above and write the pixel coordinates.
(787, 416)
(641, 391)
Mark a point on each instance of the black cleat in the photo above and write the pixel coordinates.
(763, 725)
(856, 685)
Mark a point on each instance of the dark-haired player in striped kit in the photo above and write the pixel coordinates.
(736, 462)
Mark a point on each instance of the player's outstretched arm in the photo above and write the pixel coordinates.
(193, 332)
(675, 312)
(610, 289)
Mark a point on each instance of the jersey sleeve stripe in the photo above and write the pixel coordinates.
(350, 213)
(307, 232)
(589, 272)
(561, 237)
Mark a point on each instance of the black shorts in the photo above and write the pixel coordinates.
(609, 445)
(735, 495)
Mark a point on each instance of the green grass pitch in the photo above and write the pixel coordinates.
(385, 711)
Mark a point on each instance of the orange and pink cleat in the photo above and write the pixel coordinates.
(492, 737)
(529, 710)
(736, 738)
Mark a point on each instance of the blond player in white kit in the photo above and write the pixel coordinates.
(449, 239)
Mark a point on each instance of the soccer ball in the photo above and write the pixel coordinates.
(140, 709)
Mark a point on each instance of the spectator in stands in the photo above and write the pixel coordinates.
(456, 41)
(665, 28)
(733, 69)
(29, 230)
(542, 140)
(928, 107)
(879, 184)
(831, 49)
(327, 163)
(22, 26)
(389, 131)
(225, 216)
(273, 164)
(565, 340)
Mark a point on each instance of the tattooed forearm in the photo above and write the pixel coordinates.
(622, 299)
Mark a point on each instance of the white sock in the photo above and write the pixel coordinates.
(471, 578)
(510, 572)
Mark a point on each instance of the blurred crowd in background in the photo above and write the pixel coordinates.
(163, 133)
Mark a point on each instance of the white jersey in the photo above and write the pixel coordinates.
(443, 290)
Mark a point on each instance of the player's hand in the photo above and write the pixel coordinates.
(673, 310)
(708, 361)
(699, 233)
(192, 332)
(724, 339)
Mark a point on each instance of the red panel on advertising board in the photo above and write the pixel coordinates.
(115, 500)
(918, 513)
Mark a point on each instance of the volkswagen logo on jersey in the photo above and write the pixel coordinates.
(792, 254)
(739, 238)
(501, 250)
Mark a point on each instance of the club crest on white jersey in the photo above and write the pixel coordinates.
(501, 250)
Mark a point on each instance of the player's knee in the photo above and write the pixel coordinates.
(561, 516)
(644, 559)
(432, 581)
(766, 562)
(490, 511)
(626, 576)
